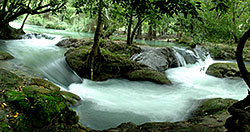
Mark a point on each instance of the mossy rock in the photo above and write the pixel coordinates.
(44, 84)
(72, 99)
(113, 63)
(222, 70)
(147, 74)
(5, 55)
(36, 90)
(38, 109)
(213, 106)
(73, 43)
(37, 105)
(9, 81)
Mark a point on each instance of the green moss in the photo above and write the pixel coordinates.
(36, 106)
(4, 127)
(214, 106)
(9, 81)
(5, 55)
(43, 83)
(35, 90)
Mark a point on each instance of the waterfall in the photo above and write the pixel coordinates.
(180, 59)
(188, 56)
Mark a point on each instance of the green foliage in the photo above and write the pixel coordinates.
(11, 10)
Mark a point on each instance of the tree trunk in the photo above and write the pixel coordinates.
(129, 29)
(239, 58)
(154, 32)
(150, 32)
(135, 29)
(139, 32)
(239, 121)
(24, 21)
(95, 52)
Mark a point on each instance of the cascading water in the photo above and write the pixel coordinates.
(42, 56)
(109, 103)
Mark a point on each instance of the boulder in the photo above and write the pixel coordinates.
(147, 74)
(159, 59)
(71, 43)
(213, 106)
(221, 70)
(5, 56)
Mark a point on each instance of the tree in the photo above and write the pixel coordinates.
(239, 121)
(90, 6)
(140, 10)
(12, 9)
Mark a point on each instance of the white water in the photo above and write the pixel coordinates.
(112, 102)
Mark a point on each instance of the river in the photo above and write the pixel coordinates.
(109, 103)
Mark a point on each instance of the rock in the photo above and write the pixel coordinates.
(213, 106)
(37, 36)
(148, 74)
(73, 43)
(43, 83)
(222, 70)
(113, 64)
(9, 32)
(9, 81)
(73, 99)
(159, 59)
(240, 116)
(34, 106)
(5, 55)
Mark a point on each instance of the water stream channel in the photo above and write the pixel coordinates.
(109, 103)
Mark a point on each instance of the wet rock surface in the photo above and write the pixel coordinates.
(159, 59)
